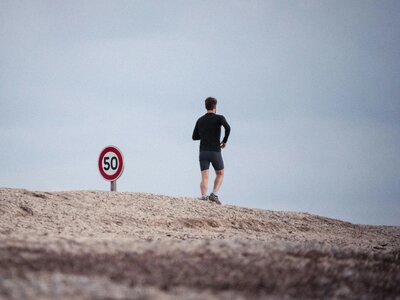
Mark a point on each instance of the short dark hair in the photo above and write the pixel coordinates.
(211, 103)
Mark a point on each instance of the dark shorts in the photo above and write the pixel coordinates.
(207, 157)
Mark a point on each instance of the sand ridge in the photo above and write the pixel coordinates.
(102, 245)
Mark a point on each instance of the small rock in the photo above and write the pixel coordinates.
(26, 208)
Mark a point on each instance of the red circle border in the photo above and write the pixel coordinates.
(119, 171)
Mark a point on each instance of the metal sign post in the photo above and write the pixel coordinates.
(113, 186)
(111, 165)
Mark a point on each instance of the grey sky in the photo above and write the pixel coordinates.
(310, 88)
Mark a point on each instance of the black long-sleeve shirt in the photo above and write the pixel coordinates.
(208, 131)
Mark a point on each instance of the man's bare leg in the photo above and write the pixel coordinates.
(218, 180)
(204, 183)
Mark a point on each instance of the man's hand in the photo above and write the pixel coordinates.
(222, 145)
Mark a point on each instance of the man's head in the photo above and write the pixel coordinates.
(211, 104)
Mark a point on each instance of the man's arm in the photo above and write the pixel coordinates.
(196, 134)
(227, 130)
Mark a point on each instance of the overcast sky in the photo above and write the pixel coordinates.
(311, 90)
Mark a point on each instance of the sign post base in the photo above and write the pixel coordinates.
(113, 186)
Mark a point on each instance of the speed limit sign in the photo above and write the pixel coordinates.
(111, 164)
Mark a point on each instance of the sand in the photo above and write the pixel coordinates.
(103, 245)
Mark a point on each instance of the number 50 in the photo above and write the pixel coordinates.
(113, 163)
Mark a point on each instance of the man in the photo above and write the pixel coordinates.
(208, 131)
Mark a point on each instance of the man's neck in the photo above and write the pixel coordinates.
(211, 111)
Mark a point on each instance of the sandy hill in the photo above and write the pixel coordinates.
(103, 245)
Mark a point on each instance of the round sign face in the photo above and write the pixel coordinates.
(111, 163)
